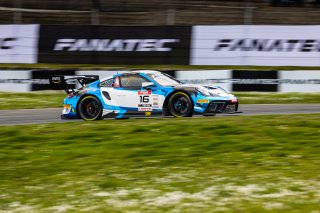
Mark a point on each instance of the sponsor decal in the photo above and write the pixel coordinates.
(264, 45)
(56, 80)
(7, 43)
(114, 44)
(44, 76)
(144, 92)
(155, 103)
(202, 101)
(24, 81)
(268, 45)
(252, 75)
(147, 113)
(66, 106)
(117, 45)
(144, 105)
(145, 109)
(18, 43)
(251, 81)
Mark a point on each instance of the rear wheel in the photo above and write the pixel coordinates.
(180, 105)
(90, 108)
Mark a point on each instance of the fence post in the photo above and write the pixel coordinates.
(95, 12)
(171, 12)
(170, 20)
(95, 17)
(247, 19)
(17, 15)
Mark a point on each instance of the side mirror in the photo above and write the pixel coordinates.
(148, 85)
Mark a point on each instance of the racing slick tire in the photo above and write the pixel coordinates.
(180, 105)
(90, 108)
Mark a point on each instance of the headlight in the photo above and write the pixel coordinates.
(203, 91)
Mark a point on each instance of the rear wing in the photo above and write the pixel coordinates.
(69, 83)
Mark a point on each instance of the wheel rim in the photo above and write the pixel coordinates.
(180, 105)
(90, 109)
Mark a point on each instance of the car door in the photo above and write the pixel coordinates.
(133, 97)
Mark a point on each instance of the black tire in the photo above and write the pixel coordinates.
(90, 108)
(180, 105)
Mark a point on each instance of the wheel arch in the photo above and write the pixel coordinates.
(82, 97)
(165, 110)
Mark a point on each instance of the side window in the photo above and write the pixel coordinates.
(107, 83)
(133, 82)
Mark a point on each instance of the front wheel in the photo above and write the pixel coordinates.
(180, 105)
(90, 108)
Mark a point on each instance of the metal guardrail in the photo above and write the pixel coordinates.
(95, 14)
(168, 12)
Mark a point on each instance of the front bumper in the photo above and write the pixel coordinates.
(225, 106)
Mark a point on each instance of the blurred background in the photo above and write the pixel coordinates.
(227, 35)
(155, 12)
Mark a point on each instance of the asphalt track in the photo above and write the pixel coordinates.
(52, 115)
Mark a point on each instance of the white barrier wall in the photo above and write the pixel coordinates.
(280, 81)
(15, 81)
(256, 45)
(306, 81)
(19, 43)
(286, 81)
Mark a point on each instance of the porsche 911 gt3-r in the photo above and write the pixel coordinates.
(139, 94)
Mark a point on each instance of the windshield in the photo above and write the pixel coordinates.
(164, 80)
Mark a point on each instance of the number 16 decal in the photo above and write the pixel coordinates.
(144, 99)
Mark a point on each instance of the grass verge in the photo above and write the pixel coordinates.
(229, 164)
(31, 100)
(34, 100)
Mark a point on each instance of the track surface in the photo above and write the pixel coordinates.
(52, 115)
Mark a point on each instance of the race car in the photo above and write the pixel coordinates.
(140, 94)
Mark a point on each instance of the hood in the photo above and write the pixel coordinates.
(206, 90)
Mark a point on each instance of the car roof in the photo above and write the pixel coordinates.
(146, 71)
(132, 72)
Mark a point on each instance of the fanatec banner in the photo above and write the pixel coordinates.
(263, 45)
(256, 45)
(114, 45)
(18, 43)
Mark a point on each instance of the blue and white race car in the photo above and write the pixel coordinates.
(140, 94)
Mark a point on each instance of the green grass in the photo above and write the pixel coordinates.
(33, 100)
(229, 164)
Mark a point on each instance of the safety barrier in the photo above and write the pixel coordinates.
(233, 80)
